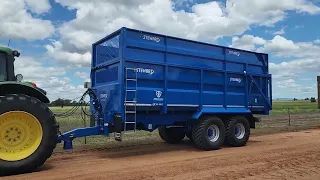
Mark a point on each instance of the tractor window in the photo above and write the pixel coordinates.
(3, 67)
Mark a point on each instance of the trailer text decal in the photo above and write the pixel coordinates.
(236, 80)
(103, 96)
(234, 53)
(151, 38)
(142, 70)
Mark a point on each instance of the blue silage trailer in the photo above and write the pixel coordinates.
(146, 81)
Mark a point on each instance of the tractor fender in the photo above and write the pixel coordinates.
(21, 88)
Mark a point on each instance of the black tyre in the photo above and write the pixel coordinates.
(237, 131)
(209, 133)
(172, 135)
(28, 134)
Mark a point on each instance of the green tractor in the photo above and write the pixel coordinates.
(28, 128)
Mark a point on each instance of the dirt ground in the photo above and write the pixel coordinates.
(293, 155)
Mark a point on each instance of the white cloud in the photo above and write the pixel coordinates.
(306, 79)
(247, 42)
(304, 57)
(280, 32)
(52, 79)
(284, 76)
(93, 21)
(297, 66)
(292, 87)
(18, 23)
(317, 41)
(288, 83)
(268, 12)
(284, 47)
(56, 51)
(34, 70)
(62, 88)
(38, 6)
(279, 46)
(206, 21)
(83, 75)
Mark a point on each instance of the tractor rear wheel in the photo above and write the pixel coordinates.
(28, 134)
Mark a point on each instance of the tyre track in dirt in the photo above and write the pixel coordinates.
(294, 155)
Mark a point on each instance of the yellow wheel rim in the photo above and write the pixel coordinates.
(20, 135)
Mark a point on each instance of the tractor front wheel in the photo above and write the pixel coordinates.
(28, 134)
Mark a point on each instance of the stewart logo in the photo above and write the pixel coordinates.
(236, 80)
(151, 38)
(103, 96)
(142, 70)
(234, 52)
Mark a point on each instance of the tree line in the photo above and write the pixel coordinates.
(312, 99)
(63, 102)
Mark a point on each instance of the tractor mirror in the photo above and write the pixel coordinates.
(16, 53)
(87, 85)
(19, 77)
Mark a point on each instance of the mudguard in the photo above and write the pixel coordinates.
(12, 87)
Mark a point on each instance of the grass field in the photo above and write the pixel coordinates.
(303, 115)
(302, 106)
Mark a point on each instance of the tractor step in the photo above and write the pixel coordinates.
(128, 122)
(130, 101)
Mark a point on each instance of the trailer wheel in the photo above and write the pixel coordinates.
(171, 135)
(28, 134)
(237, 131)
(209, 134)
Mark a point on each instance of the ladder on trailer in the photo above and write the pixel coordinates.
(132, 103)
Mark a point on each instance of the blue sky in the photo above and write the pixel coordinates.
(55, 36)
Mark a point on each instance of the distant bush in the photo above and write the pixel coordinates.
(313, 99)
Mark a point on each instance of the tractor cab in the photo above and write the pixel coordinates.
(7, 58)
(7, 73)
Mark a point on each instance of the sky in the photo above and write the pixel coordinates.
(54, 37)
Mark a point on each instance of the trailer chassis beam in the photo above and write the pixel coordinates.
(80, 132)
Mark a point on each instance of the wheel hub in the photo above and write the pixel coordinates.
(213, 133)
(13, 135)
(239, 131)
(20, 135)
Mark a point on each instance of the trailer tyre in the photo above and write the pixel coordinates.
(209, 134)
(237, 131)
(28, 134)
(171, 135)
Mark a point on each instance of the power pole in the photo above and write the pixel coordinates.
(318, 79)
